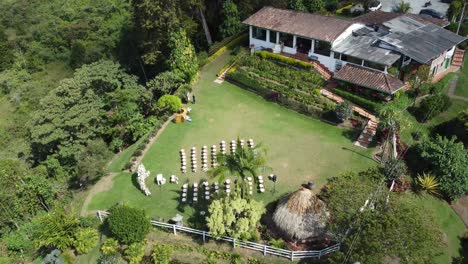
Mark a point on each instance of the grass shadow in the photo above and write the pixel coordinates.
(360, 154)
(351, 134)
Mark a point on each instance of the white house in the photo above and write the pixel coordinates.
(358, 51)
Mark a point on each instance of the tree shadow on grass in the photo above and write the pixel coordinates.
(360, 154)
(351, 134)
(135, 180)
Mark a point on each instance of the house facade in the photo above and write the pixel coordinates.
(372, 51)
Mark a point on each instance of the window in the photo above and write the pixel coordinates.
(322, 48)
(374, 65)
(273, 36)
(259, 33)
(351, 59)
(287, 39)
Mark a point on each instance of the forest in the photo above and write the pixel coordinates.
(83, 80)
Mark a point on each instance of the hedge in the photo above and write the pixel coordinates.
(363, 102)
(231, 62)
(219, 49)
(284, 59)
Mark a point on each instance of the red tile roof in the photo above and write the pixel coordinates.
(380, 17)
(303, 24)
(369, 78)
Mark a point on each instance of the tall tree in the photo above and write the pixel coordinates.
(402, 7)
(231, 24)
(183, 59)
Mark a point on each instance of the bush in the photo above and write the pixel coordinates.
(182, 91)
(432, 106)
(344, 110)
(218, 48)
(161, 254)
(127, 224)
(363, 102)
(134, 253)
(85, 240)
(169, 103)
(109, 247)
(89, 222)
(284, 59)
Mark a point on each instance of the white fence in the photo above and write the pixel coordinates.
(292, 255)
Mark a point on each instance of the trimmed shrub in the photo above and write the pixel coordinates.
(284, 59)
(85, 240)
(161, 254)
(134, 253)
(127, 224)
(363, 102)
(218, 48)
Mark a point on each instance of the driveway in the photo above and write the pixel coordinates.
(416, 5)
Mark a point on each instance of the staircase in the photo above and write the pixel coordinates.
(457, 60)
(322, 70)
(367, 134)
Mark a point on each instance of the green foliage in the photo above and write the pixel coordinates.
(109, 259)
(346, 193)
(135, 252)
(284, 59)
(183, 58)
(77, 55)
(100, 101)
(109, 247)
(344, 110)
(297, 5)
(127, 224)
(165, 83)
(234, 216)
(458, 127)
(231, 24)
(447, 161)
(45, 32)
(57, 229)
(394, 169)
(398, 228)
(182, 92)
(227, 43)
(169, 103)
(428, 183)
(85, 240)
(315, 5)
(161, 254)
(242, 163)
(359, 100)
(331, 5)
(19, 242)
(24, 193)
(6, 52)
(402, 7)
(432, 106)
(277, 243)
(91, 161)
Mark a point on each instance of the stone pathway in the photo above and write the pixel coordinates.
(451, 90)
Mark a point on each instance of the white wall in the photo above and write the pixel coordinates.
(347, 33)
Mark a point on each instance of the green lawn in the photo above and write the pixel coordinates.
(462, 85)
(449, 222)
(299, 148)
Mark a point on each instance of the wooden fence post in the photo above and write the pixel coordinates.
(234, 242)
(174, 228)
(264, 250)
(320, 254)
(203, 236)
(292, 255)
(99, 216)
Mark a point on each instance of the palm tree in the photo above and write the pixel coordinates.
(402, 7)
(392, 120)
(244, 162)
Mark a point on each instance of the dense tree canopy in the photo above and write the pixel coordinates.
(234, 216)
(231, 24)
(447, 160)
(128, 225)
(398, 228)
(183, 59)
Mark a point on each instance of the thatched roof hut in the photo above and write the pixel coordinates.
(301, 215)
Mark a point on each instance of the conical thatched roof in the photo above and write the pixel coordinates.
(301, 215)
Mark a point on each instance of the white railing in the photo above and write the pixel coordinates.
(265, 249)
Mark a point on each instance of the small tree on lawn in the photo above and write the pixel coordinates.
(142, 175)
(183, 58)
(231, 24)
(394, 169)
(235, 217)
(344, 110)
(127, 224)
(169, 103)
